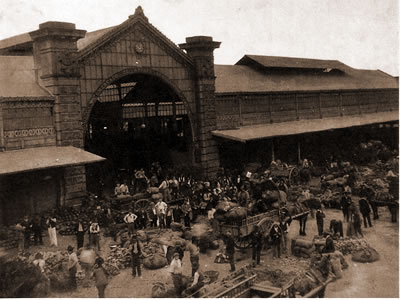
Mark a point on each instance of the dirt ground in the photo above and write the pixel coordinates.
(378, 279)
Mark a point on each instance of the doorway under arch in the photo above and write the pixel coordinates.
(136, 120)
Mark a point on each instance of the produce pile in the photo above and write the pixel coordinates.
(8, 237)
(118, 259)
(21, 279)
(350, 245)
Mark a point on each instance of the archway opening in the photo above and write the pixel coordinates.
(138, 120)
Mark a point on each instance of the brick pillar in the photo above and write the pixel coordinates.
(200, 49)
(55, 57)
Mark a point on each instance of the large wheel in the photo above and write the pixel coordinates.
(143, 204)
(242, 242)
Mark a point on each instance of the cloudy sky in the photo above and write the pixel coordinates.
(361, 33)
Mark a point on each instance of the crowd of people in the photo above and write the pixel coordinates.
(183, 198)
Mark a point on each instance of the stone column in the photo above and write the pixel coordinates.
(200, 49)
(55, 57)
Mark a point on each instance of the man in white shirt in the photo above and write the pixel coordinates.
(165, 190)
(124, 189)
(130, 219)
(161, 208)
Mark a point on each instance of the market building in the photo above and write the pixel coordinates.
(70, 98)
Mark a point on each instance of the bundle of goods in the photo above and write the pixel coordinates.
(331, 198)
(150, 248)
(236, 215)
(161, 290)
(350, 245)
(111, 269)
(224, 206)
(168, 238)
(155, 261)
(177, 226)
(21, 279)
(302, 248)
(157, 196)
(119, 257)
(365, 255)
(87, 256)
(276, 277)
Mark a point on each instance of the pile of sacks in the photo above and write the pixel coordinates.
(302, 248)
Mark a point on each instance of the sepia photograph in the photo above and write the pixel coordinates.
(199, 149)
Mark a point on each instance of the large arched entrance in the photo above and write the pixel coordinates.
(139, 119)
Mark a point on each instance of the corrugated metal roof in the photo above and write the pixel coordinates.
(245, 79)
(91, 37)
(17, 78)
(15, 40)
(248, 133)
(44, 157)
(291, 62)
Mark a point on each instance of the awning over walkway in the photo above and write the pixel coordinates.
(44, 157)
(248, 133)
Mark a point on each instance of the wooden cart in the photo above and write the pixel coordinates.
(288, 175)
(241, 233)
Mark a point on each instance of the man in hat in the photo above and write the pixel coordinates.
(80, 232)
(256, 243)
(230, 250)
(275, 235)
(365, 211)
(198, 281)
(94, 234)
(136, 253)
(320, 221)
(27, 231)
(345, 204)
(194, 255)
(72, 266)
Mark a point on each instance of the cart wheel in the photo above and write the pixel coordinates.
(265, 225)
(293, 176)
(143, 204)
(242, 242)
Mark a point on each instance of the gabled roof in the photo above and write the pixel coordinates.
(291, 62)
(17, 78)
(249, 77)
(98, 38)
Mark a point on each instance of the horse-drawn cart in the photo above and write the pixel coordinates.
(289, 175)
